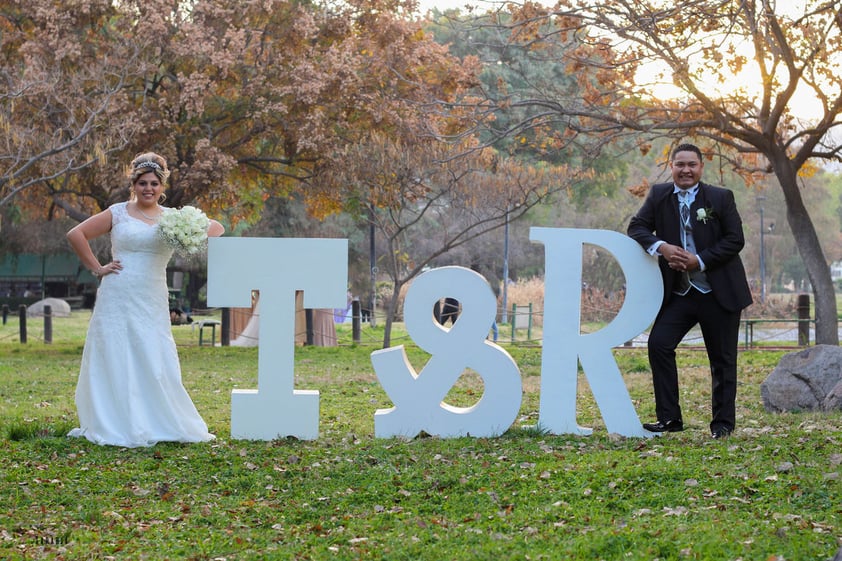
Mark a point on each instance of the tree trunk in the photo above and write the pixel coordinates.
(818, 270)
(390, 314)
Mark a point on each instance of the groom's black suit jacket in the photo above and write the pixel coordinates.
(718, 240)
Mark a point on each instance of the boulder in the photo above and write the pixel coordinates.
(808, 380)
(60, 308)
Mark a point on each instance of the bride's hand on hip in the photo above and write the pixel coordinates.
(110, 268)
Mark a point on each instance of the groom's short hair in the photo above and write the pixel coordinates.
(687, 147)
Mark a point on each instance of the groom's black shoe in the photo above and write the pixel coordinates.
(720, 433)
(664, 426)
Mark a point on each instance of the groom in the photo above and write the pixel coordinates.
(696, 232)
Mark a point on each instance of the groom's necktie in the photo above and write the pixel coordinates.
(684, 215)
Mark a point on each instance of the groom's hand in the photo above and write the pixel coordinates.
(690, 262)
(678, 258)
(672, 253)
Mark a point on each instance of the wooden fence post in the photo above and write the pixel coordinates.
(804, 320)
(356, 319)
(48, 324)
(308, 322)
(225, 336)
(22, 322)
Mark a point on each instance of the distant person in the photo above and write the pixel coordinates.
(696, 232)
(178, 317)
(129, 391)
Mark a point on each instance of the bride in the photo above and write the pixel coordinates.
(129, 391)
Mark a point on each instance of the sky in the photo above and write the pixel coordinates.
(443, 5)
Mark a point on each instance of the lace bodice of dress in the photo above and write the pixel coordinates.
(137, 244)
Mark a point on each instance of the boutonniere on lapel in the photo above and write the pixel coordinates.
(705, 214)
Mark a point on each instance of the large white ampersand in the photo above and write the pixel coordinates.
(418, 398)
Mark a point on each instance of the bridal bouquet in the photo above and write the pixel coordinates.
(184, 229)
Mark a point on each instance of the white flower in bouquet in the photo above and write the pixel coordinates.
(184, 229)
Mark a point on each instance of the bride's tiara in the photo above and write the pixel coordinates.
(152, 165)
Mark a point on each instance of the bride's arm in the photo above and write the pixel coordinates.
(215, 229)
(79, 236)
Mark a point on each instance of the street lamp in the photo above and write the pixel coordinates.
(760, 200)
(372, 267)
(504, 318)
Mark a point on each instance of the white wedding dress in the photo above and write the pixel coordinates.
(130, 391)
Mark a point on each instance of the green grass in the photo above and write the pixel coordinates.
(772, 491)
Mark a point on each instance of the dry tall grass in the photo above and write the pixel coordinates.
(597, 305)
(525, 292)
